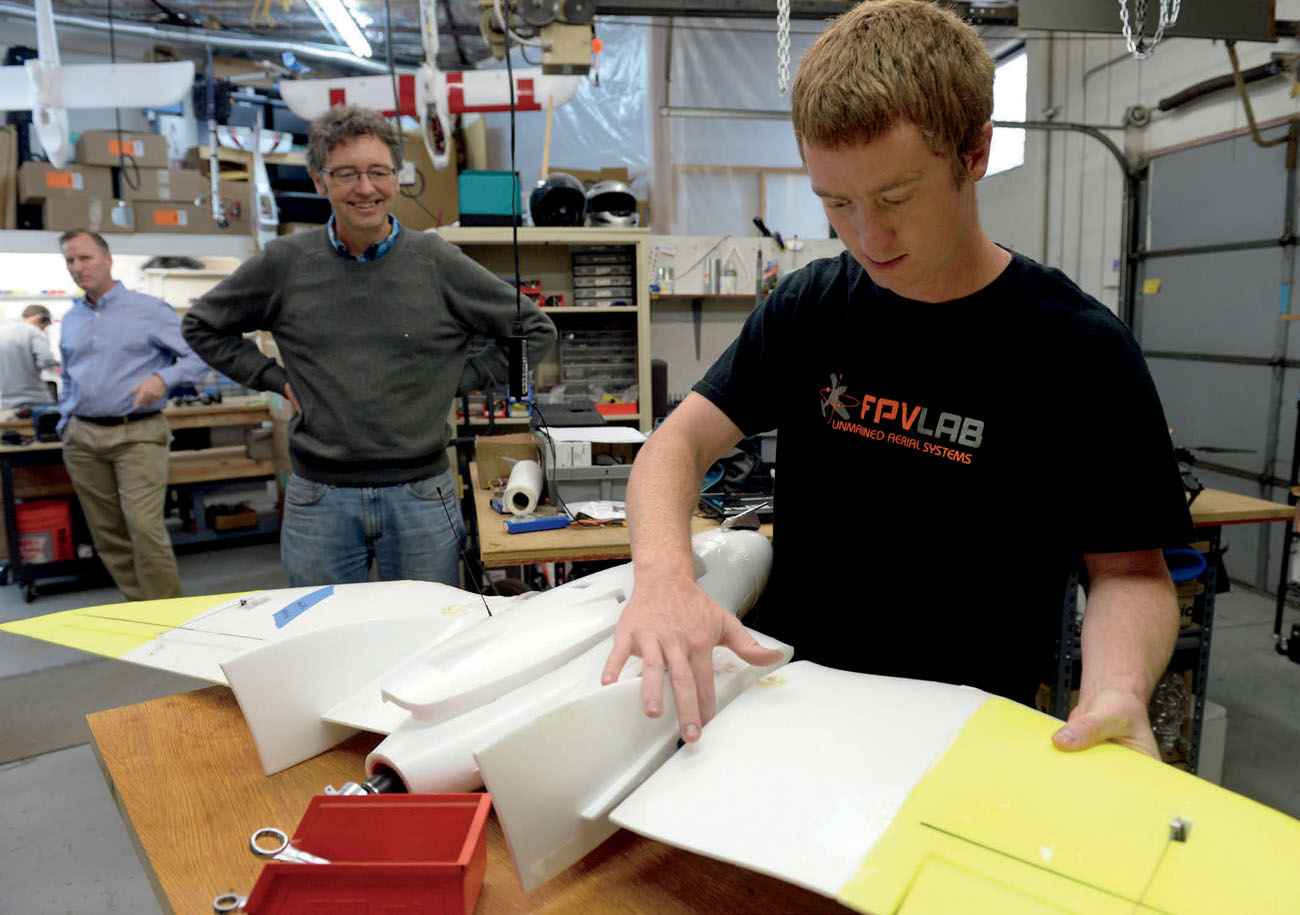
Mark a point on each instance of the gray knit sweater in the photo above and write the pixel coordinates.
(375, 350)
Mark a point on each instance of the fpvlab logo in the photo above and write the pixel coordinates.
(834, 399)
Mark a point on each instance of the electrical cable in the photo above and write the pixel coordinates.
(125, 161)
(461, 547)
(392, 72)
(516, 343)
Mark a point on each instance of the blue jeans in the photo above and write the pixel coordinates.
(332, 534)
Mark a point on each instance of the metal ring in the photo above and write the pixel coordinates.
(228, 902)
(275, 834)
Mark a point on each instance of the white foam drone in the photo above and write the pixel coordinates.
(889, 795)
(48, 88)
(431, 95)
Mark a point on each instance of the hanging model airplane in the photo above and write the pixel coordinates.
(47, 87)
(433, 96)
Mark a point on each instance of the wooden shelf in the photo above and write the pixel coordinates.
(38, 241)
(532, 235)
(592, 310)
(229, 462)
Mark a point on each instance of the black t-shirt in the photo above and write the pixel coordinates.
(943, 467)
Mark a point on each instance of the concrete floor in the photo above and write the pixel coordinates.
(64, 848)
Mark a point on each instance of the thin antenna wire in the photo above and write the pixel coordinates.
(126, 162)
(461, 547)
(514, 175)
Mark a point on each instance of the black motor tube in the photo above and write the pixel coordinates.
(384, 781)
(1192, 93)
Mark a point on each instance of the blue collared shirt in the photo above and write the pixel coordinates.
(374, 252)
(111, 347)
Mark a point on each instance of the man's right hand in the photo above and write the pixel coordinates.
(675, 625)
(288, 393)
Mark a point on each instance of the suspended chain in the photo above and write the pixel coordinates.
(783, 45)
(1138, 46)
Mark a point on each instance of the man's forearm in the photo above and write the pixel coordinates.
(232, 354)
(1129, 629)
(661, 495)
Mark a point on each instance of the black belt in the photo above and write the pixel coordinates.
(117, 420)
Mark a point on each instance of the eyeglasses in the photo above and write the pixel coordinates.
(376, 173)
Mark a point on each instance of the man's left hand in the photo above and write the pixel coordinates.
(1109, 714)
(148, 391)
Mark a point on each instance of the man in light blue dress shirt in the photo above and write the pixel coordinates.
(122, 353)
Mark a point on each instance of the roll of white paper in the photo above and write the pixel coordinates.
(524, 487)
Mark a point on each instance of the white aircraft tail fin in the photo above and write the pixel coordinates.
(124, 85)
(554, 780)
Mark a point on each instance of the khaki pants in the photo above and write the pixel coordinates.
(120, 475)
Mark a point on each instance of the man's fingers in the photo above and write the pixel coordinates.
(684, 692)
(652, 679)
(737, 638)
(1085, 730)
(617, 658)
(702, 674)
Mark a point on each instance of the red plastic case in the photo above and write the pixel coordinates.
(420, 854)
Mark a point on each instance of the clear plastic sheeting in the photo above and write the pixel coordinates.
(716, 202)
(792, 208)
(601, 126)
(724, 168)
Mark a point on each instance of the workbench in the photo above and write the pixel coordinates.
(498, 548)
(35, 471)
(186, 778)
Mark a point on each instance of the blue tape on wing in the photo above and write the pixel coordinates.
(287, 614)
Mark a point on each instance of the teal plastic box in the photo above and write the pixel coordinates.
(489, 198)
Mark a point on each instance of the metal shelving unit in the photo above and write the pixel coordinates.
(545, 255)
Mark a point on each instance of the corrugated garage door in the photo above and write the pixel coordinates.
(1215, 281)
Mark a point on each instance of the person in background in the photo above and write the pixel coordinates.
(122, 352)
(374, 323)
(24, 351)
(960, 427)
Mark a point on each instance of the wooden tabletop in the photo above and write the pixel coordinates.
(1214, 507)
(499, 548)
(186, 778)
(245, 410)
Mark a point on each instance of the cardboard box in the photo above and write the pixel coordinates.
(39, 180)
(98, 214)
(102, 147)
(496, 455)
(259, 444)
(236, 198)
(181, 185)
(174, 218)
(590, 176)
(437, 202)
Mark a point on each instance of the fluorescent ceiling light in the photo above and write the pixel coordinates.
(335, 17)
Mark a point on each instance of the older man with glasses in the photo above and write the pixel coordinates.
(374, 325)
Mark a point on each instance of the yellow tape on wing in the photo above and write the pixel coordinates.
(1072, 832)
(114, 630)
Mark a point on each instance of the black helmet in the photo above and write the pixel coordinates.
(558, 200)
